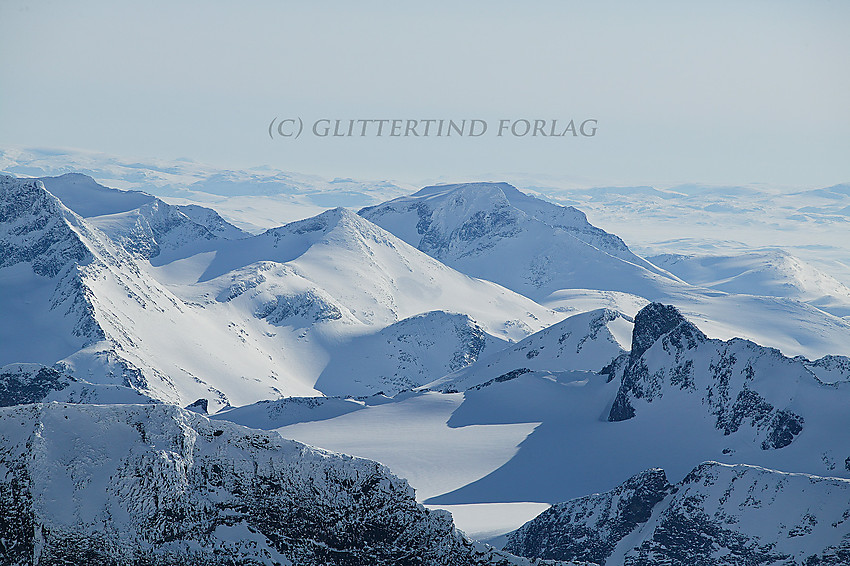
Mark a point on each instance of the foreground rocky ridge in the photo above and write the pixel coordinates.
(717, 515)
(155, 484)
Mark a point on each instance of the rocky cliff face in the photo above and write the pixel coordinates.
(718, 514)
(746, 388)
(155, 484)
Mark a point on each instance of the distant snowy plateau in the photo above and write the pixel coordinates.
(219, 367)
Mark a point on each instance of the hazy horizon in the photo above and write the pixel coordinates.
(722, 93)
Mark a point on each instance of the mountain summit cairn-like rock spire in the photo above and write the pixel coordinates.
(651, 323)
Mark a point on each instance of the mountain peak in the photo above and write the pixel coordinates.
(651, 323)
(478, 228)
(434, 189)
(336, 221)
(35, 227)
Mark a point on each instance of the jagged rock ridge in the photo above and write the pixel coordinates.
(718, 514)
(744, 386)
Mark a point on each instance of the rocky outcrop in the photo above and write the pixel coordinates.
(743, 386)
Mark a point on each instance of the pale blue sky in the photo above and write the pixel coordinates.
(718, 92)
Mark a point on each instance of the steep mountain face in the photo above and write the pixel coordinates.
(589, 528)
(718, 514)
(476, 227)
(750, 391)
(772, 273)
(41, 247)
(84, 303)
(154, 229)
(587, 341)
(155, 484)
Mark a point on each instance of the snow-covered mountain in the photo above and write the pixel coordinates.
(718, 514)
(155, 484)
(587, 341)
(751, 392)
(491, 403)
(233, 321)
(88, 198)
(771, 273)
(553, 255)
(494, 231)
(375, 278)
(406, 354)
(80, 300)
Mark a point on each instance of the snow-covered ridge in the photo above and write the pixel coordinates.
(587, 341)
(234, 321)
(35, 227)
(81, 301)
(155, 484)
(771, 273)
(718, 514)
(144, 225)
(33, 383)
(417, 349)
(551, 254)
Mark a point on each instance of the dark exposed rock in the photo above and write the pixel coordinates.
(24, 383)
(200, 406)
(783, 428)
(669, 353)
(651, 323)
(308, 305)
